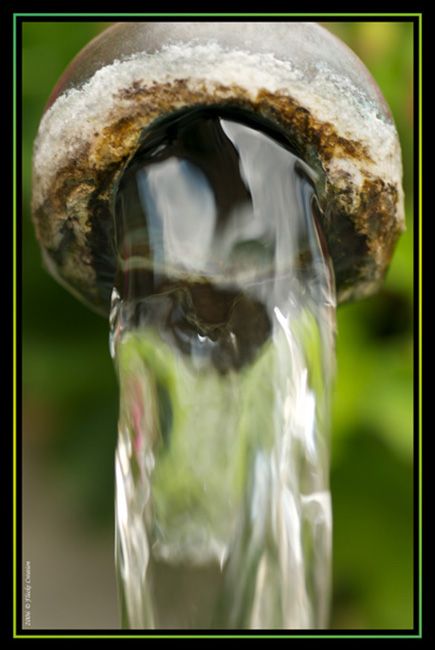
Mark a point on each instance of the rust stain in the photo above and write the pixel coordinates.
(83, 189)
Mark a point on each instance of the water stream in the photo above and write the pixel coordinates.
(222, 334)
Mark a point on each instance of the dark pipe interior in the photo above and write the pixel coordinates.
(200, 215)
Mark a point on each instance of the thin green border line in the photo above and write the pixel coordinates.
(217, 636)
(420, 314)
(14, 336)
(14, 325)
(213, 15)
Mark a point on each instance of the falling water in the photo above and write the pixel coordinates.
(222, 332)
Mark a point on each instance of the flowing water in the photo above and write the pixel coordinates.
(222, 332)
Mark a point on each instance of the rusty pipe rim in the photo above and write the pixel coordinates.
(297, 76)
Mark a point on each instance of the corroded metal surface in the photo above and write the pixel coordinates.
(360, 193)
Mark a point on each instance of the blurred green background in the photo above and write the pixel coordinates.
(70, 392)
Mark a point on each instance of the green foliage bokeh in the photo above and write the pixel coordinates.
(70, 393)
